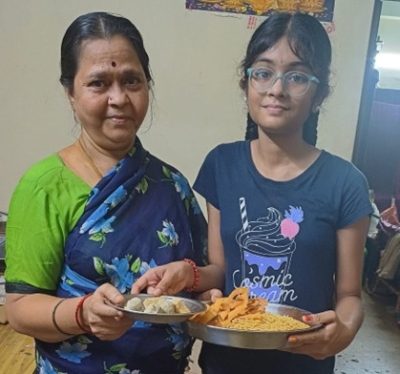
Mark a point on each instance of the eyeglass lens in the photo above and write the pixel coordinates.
(294, 83)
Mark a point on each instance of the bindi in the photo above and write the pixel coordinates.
(113, 64)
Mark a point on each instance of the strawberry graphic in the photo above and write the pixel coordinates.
(290, 224)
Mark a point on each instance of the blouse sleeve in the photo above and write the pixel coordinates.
(34, 241)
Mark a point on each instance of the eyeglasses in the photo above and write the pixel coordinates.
(295, 83)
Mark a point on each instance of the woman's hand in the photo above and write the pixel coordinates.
(166, 279)
(105, 322)
(327, 341)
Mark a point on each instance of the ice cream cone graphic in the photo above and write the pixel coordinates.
(267, 245)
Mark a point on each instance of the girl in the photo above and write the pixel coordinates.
(287, 219)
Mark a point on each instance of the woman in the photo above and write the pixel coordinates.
(287, 219)
(86, 222)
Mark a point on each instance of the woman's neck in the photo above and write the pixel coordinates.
(282, 159)
(88, 161)
(100, 159)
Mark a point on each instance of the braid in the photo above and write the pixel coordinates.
(251, 129)
(310, 132)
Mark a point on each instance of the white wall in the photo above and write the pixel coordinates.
(194, 57)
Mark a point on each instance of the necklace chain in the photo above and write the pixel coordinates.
(89, 159)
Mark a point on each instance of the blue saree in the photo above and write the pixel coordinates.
(140, 215)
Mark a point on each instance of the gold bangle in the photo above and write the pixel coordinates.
(53, 318)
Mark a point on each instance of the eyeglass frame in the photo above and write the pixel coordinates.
(311, 79)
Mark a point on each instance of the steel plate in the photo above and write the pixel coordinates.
(250, 339)
(193, 305)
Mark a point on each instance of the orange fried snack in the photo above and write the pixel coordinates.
(225, 309)
(239, 311)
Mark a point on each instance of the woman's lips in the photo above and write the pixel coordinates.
(119, 120)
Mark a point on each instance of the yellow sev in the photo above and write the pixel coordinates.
(266, 322)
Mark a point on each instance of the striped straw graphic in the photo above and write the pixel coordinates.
(243, 213)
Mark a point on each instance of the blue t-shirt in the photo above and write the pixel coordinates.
(280, 237)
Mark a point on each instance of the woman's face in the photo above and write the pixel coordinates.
(276, 111)
(110, 95)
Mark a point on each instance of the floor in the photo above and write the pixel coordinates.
(376, 349)
(16, 352)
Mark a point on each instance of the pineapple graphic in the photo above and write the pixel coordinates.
(290, 224)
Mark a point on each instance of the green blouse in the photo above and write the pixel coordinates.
(45, 206)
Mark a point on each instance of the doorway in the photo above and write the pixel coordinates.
(377, 149)
(377, 144)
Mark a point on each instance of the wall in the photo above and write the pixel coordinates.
(194, 57)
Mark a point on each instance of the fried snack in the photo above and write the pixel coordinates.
(239, 311)
(225, 309)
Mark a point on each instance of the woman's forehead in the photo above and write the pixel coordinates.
(114, 53)
(95, 49)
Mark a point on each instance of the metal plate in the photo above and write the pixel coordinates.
(193, 305)
(250, 339)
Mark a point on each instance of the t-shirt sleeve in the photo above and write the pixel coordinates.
(34, 241)
(355, 202)
(206, 183)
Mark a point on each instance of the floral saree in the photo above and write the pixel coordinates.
(140, 215)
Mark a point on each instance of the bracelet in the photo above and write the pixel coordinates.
(53, 318)
(78, 314)
(196, 275)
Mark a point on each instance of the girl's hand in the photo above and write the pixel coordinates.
(327, 341)
(105, 322)
(211, 294)
(166, 279)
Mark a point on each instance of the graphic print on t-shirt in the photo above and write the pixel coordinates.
(267, 245)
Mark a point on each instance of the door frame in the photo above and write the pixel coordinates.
(368, 90)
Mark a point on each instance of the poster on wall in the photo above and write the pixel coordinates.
(321, 9)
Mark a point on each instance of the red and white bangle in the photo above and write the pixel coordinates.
(196, 275)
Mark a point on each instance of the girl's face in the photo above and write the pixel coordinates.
(276, 111)
(110, 95)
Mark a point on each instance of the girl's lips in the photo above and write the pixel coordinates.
(275, 109)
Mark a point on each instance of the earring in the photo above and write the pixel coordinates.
(75, 118)
(315, 108)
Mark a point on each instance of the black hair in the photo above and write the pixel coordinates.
(309, 42)
(97, 25)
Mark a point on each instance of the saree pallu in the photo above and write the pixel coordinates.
(140, 215)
